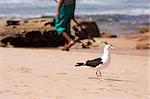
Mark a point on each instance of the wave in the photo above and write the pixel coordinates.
(100, 2)
(81, 14)
(51, 2)
(111, 12)
(28, 8)
(16, 1)
(114, 2)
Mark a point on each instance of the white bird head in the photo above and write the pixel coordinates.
(108, 46)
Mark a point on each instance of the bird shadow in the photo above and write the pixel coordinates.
(112, 79)
(119, 80)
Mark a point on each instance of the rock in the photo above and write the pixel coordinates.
(53, 39)
(41, 33)
(39, 42)
(32, 34)
(144, 30)
(108, 35)
(90, 29)
(143, 46)
(16, 41)
(50, 23)
(7, 39)
(34, 39)
(13, 22)
(138, 37)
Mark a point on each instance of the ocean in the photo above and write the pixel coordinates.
(36, 8)
(102, 11)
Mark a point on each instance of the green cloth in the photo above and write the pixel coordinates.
(66, 14)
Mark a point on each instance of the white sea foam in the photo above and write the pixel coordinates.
(25, 8)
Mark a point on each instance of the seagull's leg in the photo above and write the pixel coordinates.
(101, 76)
(100, 73)
(97, 73)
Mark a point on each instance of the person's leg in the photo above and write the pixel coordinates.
(67, 34)
(70, 42)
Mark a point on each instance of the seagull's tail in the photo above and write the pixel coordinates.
(79, 64)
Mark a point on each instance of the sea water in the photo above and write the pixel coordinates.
(105, 12)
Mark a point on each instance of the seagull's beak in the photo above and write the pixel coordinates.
(112, 47)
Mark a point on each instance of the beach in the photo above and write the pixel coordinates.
(33, 66)
(49, 73)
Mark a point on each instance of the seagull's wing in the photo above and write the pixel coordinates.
(94, 62)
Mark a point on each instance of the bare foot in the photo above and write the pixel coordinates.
(66, 48)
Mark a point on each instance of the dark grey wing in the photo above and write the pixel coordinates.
(79, 64)
(94, 62)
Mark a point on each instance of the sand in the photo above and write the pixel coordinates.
(49, 73)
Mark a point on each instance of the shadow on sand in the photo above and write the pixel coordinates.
(112, 79)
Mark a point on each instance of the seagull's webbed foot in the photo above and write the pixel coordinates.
(101, 77)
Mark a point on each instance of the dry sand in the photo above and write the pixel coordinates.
(50, 74)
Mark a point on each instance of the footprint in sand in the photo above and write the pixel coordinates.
(24, 70)
(101, 89)
(21, 69)
(62, 73)
(44, 76)
(8, 91)
(5, 91)
(60, 97)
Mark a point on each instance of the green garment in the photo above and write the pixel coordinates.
(66, 14)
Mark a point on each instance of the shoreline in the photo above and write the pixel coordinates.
(118, 24)
(23, 27)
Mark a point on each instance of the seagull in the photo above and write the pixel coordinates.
(101, 62)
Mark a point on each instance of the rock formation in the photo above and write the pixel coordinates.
(41, 33)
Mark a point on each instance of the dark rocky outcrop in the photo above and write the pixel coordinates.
(144, 30)
(108, 35)
(42, 33)
(143, 45)
(13, 22)
(34, 39)
(142, 40)
(89, 29)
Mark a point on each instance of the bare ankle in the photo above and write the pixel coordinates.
(71, 42)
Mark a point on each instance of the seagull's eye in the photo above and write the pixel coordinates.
(110, 45)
